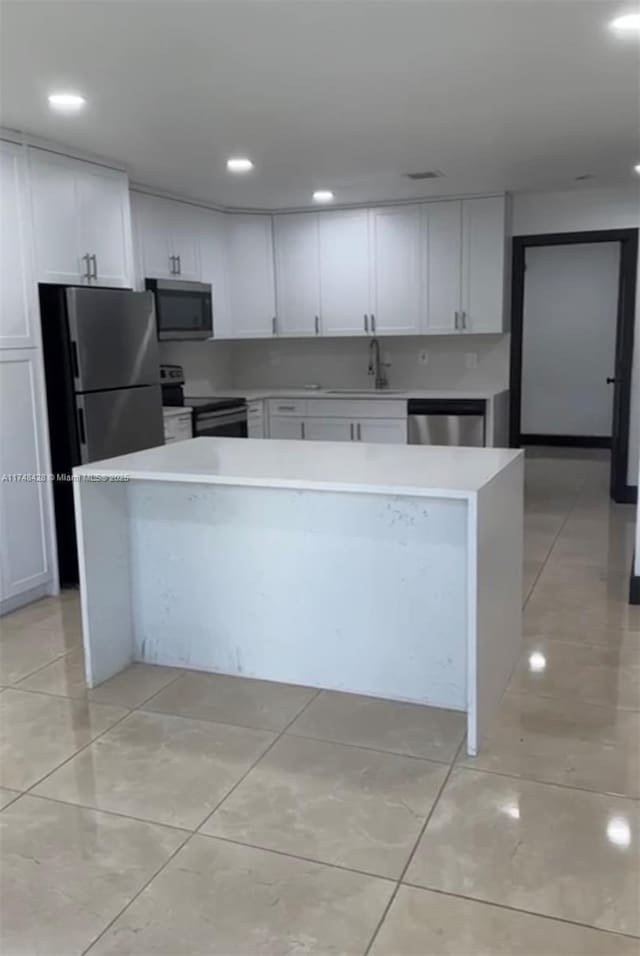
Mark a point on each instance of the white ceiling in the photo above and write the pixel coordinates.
(338, 94)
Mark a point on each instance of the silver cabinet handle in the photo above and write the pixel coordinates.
(274, 325)
(179, 265)
(302, 431)
(172, 265)
(456, 321)
(373, 323)
(359, 432)
(351, 432)
(317, 324)
(366, 324)
(94, 259)
(87, 262)
(286, 408)
(463, 318)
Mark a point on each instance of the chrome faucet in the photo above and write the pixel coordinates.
(376, 366)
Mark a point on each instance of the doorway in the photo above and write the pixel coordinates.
(573, 315)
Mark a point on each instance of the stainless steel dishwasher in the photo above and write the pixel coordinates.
(451, 421)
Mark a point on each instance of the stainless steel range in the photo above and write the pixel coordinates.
(217, 416)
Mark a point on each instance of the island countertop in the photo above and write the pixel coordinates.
(417, 470)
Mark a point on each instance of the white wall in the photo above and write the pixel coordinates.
(343, 361)
(569, 338)
(581, 210)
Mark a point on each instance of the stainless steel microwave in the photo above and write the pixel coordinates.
(183, 309)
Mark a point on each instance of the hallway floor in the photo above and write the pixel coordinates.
(186, 814)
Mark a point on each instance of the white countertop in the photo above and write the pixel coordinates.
(253, 394)
(417, 470)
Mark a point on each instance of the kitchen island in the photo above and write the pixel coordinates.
(390, 571)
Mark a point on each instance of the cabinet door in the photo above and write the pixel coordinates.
(24, 505)
(17, 282)
(345, 272)
(153, 223)
(443, 227)
(483, 256)
(55, 219)
(251, 276)
(329, 429)
(214, 269)
(105, 224)
(286, 426)
(185, 222)
(398, 270)
(297, 274)
(385, 431)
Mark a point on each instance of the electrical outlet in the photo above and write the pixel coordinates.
(423, 358)
(471, 360)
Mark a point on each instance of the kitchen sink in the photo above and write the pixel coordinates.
(366, 391)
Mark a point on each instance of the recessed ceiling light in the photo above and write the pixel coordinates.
(637, 169)
(323, 195)
(66, 102)
(627, 23)
(239, 164)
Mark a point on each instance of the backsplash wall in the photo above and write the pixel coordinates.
(207, 365)
(343, 361)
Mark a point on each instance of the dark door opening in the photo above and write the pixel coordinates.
(586, 427)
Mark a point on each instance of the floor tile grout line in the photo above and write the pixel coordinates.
(77, 752)
(136, 895)
(514, 909)
(296, 856)
(575, 699)
(54, 660)
(549, 783)
(375, 750)
(257, 760)
(111, 813)
(194, 832)
(408, 862)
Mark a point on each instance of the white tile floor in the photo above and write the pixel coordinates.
(176, 813)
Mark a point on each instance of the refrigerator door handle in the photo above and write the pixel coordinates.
(81, 429)
(74, 359)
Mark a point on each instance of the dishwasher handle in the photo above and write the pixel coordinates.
(446, 406)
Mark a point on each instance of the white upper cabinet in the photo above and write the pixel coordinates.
(483, 264)
(398, 270)
(81, 220)
(213, 265)
(17, 283)
(297, 274)
(345, 272)
(251, 276)
(168, 235)
(443, 233)
(23, 504)
(105, 224)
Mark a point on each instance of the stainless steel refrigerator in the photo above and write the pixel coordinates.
(103, 387)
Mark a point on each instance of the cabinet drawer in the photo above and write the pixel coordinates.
(177, 427)
(287, 406)
(356, 408)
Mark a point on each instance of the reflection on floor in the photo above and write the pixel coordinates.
(180, 813)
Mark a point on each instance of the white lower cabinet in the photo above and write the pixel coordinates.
(329, 429)
(255, 419)
(286, 426)
(24, 500)
(178, 424)
(387, 431)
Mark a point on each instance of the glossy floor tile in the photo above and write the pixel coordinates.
(38, 732)
(545, 849)
(409, 729)
(336, 804)
(310, 806)
(66, 872)
(423, 923)
(232, 700)
(593, 673)
(219, 899)
(132, 687)
(157, 767)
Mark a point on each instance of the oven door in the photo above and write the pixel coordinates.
(227, 423)
(183, 309)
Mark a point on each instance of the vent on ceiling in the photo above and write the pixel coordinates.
(429, 174)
